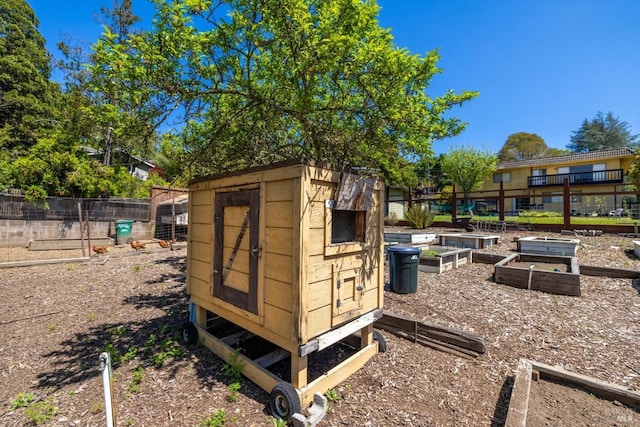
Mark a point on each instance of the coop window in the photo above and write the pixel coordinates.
(347, 226)
(346, 215)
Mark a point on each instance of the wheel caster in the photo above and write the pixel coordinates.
(189, 333)
(382, 344)
(284, 401)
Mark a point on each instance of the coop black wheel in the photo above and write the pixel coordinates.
(382, 344)
(284, 401)
(189, 333)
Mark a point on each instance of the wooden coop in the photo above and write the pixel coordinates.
(291, 253)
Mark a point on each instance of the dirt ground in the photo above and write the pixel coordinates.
(56, 319)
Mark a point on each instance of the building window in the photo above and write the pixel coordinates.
(504, 176)
(551, 198)
(576, 197)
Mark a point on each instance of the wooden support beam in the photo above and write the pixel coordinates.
(484, 258)
(529, 370)
(519, 402)
(439, 336)
(621, 273)
(599, 388)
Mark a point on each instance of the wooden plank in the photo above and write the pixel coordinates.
(318, 268)
(201, 232)
(281, 190)
(262, 377)
(336, 334)
(600, 388)
(519, 402)
(591, 270)
(429, 342)
(279, 321)
(244, 319)
(201, 251)
(201, 197)
(550, 282)
(12, 264)
(299, 369)
(279, 267)
(272, 358)
(449, 336)
(457, 338)
(485, 258)
(316, 214)
(278, 294)
(280, 214)
(300, 230)
(316, 242)
(339, 373)
(318, 294)
(318, 321)
(200, 270)
(201, 214)
(279, 241)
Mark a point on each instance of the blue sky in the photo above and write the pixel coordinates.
(540, 66)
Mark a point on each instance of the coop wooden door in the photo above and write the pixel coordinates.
(347, 294)
(236, 250)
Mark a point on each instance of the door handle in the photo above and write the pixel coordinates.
(255, 250)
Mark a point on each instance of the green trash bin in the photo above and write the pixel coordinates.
(123, 230)
(403, 269)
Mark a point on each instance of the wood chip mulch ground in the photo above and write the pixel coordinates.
(55, 320)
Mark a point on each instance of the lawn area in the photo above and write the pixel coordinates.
(549, 218)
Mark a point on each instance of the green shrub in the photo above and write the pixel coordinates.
(419, 216)
(392, 219)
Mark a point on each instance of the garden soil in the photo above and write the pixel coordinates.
(56, 320)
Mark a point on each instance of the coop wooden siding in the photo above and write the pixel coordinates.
(318, 267)
(200, 239)
(278, 254)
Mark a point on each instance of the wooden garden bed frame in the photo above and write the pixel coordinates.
(555, 282)
(529, 369)
(446, 260)
(468, 240)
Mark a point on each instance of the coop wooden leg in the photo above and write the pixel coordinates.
(201, 317)
(366, 335)
(298, 370)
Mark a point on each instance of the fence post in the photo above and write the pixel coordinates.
(501, 201)
(454, 203)
(566, 204)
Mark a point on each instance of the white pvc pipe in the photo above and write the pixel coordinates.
(105, 367)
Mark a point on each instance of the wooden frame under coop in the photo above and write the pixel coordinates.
(290, 256)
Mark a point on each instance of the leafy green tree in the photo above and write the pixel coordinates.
(98, 113)
(255, 82)
(54, 167)
(27, 97)
(526, 146)
(603, 132)
(468, 167)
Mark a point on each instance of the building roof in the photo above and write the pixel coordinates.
(570, 158)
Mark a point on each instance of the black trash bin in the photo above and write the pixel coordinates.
(403, 269)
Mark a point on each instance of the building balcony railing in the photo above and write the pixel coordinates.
(609, 176)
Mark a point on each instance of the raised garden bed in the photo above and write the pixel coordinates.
(552, 274)
(547, 395)
(467, 240)
(438, 260)
(409, 237)
(548, 246)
